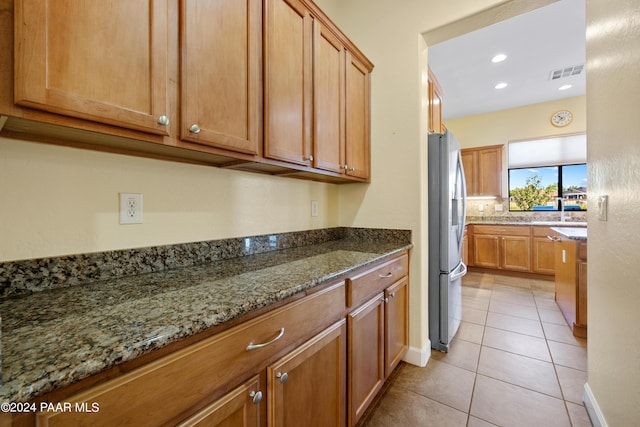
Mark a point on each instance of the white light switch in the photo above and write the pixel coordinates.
(603, 201)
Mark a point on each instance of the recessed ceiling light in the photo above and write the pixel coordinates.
(501, 85)
(564, 87)
(499, 58)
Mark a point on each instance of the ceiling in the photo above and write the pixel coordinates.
(536, 43)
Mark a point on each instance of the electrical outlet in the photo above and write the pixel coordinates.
(314, 208)
(130, 208)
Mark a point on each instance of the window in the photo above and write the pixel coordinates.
(544, 172)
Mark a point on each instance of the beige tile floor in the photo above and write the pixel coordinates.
(514, 362)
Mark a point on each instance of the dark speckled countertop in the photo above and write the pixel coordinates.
(56, 337)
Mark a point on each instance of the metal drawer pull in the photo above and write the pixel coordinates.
(283, 377)
(385, 276)
(553, 238)
(253, 346)
(163, 120)
(256, 397)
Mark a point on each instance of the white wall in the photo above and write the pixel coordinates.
(613, 114)
(57, 200)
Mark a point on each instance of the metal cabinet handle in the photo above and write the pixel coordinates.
(345, 167)
(308, 158)
(253, 346)
(385, 300)
(352, 169)
(163, 120)
(385, 276)
(256, 397)
(392, 294)
(553, 238)
(282, 377)
(194, 128)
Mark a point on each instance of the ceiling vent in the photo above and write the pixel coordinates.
(566, 72)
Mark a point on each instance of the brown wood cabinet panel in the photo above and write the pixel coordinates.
(357, 142)
(364, 285)
(329, 100)
(366, 356)
(516, 253)
(396, 320)
(483, 170)
(486, 251)
(503, 230)
(241, 407)
(221, 63)
(566, 278)
(184, 378)
(543, 260)
(307, 387)
(288, 77)
(76, 59)
(435, 96)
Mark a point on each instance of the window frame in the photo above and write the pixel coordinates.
(560, 189)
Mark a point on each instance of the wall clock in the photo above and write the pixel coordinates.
(561, 118)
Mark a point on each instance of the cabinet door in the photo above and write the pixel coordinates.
(328, 96)
(288, 81)
(470, 170)
(543, 256)
(566, 279)
(366, 355)
(486, 251)
(84, 59)
(307, 387)
(239, 408)
(357, 109)
(516, 253)
(490, 172)
(221, 73)
(396, 321)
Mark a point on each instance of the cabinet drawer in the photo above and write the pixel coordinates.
(540, 231)
(511, 230)
(375, 280)
(160, 391)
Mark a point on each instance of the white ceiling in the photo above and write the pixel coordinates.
(546, 39)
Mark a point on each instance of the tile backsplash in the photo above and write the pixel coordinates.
(498, 210)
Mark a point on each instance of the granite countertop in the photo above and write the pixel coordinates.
(494, 221)
(54, 338)
(574, 233)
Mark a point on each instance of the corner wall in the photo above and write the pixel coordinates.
(613, 113)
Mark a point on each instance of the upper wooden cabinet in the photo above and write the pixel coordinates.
(288, 80)
(329, 100)
(109, 66)
(483, 170)
(267, 86)
(435, 95)
(316, 93)
(221, 73)
(357, 140)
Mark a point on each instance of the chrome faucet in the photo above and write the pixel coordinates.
(561, 201)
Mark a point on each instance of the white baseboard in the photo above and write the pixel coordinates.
(418, 356)
(595, 414)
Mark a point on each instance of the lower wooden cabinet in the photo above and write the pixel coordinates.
(571, 283)
(507, 247)
(242, 408)
(543, 257)
(378, 340)
(286, 367)
(307, 387)
(396, 324)
(366, 355)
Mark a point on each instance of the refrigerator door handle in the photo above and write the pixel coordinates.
(463, 184)
(458, 274)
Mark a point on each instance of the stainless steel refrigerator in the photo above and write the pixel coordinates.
(447, 209)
